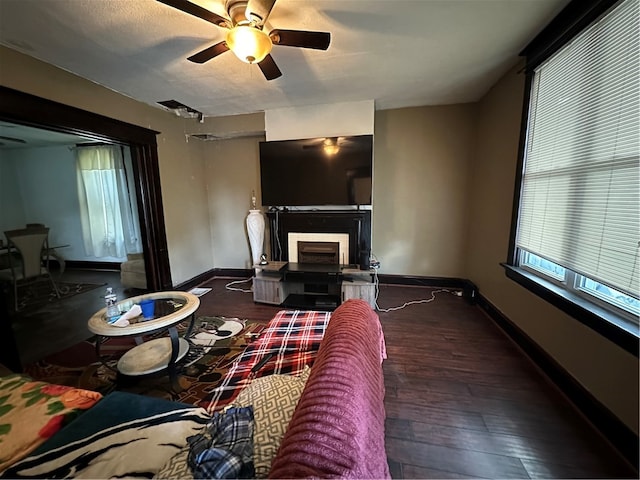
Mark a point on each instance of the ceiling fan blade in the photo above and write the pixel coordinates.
(259, 10)
(197, 11)
(301, 38)
(269, 68)
(208, 53)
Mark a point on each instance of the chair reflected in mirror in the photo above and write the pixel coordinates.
(28, 260)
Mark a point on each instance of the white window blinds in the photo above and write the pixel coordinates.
(580, 198)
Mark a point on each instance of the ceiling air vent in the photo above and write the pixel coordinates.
(211, 137)
(207, 137)
(181, 110)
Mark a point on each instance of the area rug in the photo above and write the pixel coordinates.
(40, 294)
(215, 344)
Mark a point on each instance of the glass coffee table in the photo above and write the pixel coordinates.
(171, 308)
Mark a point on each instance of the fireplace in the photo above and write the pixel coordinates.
(319, 252)
(321, 243)
(350, 228)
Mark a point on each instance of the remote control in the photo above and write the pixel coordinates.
(262, 362)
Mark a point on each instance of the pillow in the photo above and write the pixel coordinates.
(32, 411)
(122, 436)
(273, 398)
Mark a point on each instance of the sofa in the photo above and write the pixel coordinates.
(337, 429)
(335, 426)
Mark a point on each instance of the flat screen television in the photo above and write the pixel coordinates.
(317, 171)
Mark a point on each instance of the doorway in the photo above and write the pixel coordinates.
(40, 183)
(25, 109)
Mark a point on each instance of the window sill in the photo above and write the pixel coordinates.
(619, 330)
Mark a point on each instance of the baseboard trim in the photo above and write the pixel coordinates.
(469, 290)
(89, 265)
(214, 272)
(618, 434)
(234, 272)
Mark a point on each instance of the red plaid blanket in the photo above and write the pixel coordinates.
(291, 339)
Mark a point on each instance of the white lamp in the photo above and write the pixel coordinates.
(255, 230)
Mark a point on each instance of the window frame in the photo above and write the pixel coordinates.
(617, 327)
(573, 282)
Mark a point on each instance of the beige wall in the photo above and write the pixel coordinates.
(605, 370)
(421, 175)
(233, 172)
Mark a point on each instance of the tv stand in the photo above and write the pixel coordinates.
(312, 286)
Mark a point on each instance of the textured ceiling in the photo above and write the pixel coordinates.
(399, 53)
(14, 136)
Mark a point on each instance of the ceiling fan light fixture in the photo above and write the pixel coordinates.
(249, 44)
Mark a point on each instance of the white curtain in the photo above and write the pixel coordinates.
(110, 226)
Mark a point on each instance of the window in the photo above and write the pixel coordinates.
(543, 266)
(578, 216)
(110, 226)
(619, 302)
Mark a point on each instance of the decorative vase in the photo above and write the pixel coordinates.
(255, 230)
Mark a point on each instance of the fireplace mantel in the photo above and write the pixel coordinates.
(355, 223)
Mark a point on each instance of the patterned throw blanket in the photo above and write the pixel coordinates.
(289, 342)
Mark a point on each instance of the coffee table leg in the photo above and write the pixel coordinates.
(175, 348)
(99, 340)
(190, 328)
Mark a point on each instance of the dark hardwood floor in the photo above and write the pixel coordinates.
(462, 401)
(63, 323)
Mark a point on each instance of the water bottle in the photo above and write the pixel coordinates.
(110, 300)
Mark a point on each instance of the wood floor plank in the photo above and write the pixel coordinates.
(435, 415)
(544, 470)
(414, 471)
(399, 428)
(429, 371)
(531, 425)
(562, 452)
(536, 392)
(418, 384)
(481, 405)
(458, 460)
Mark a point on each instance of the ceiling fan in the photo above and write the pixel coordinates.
(329, 145)
(246, 37)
